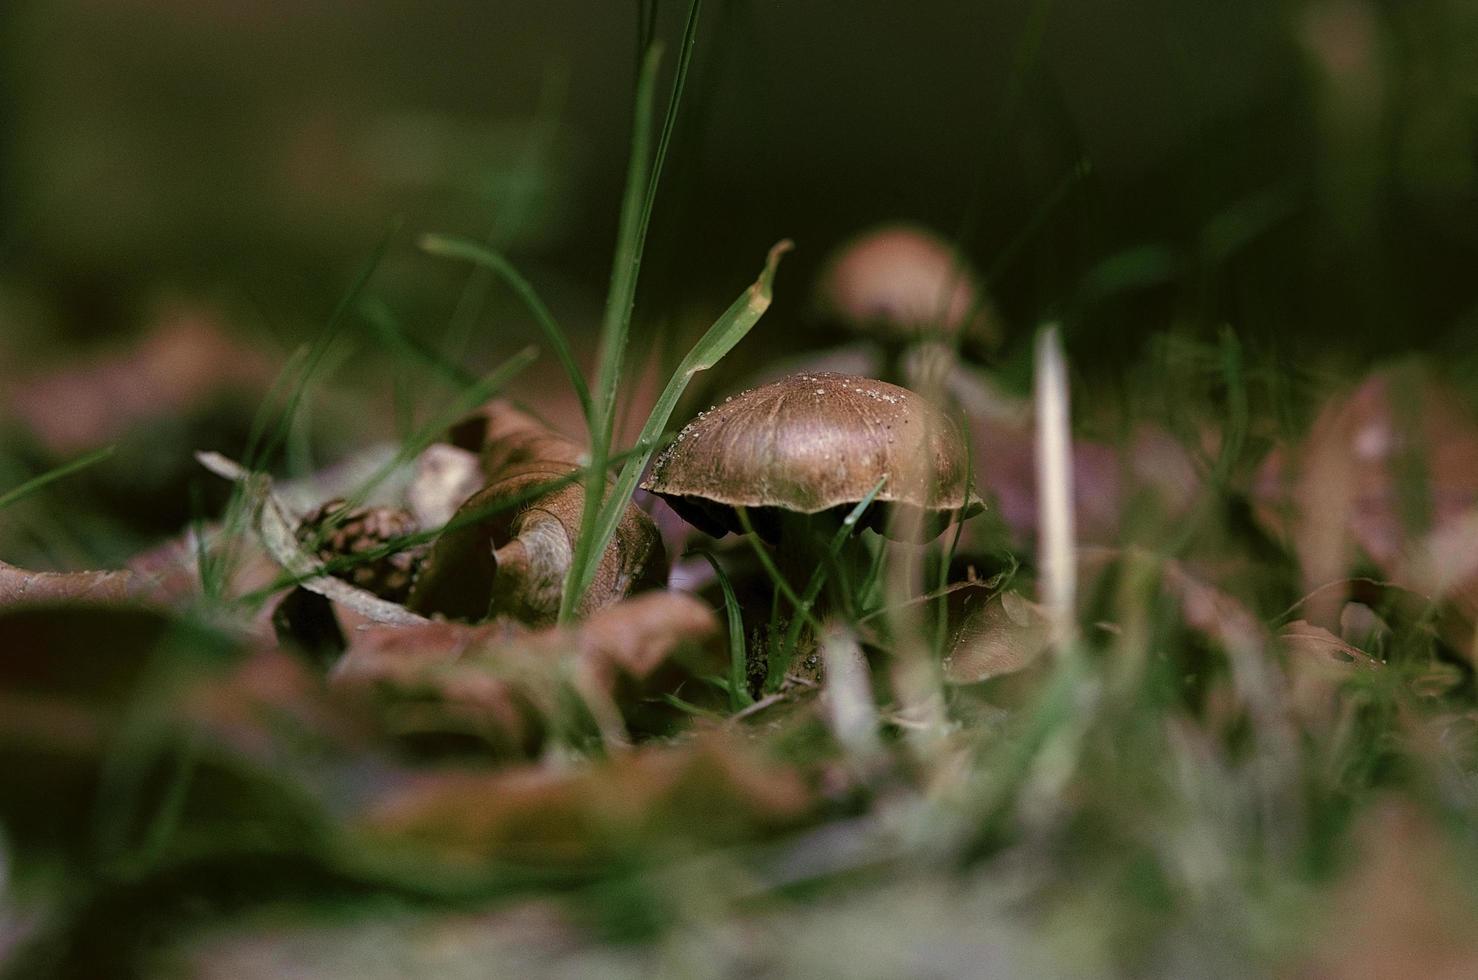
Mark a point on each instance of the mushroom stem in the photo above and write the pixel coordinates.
(801, 554)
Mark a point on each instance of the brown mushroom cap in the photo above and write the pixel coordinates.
(901, 281)
(813, 442)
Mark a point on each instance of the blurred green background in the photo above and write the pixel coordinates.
(1303, 172)
(1292, 168)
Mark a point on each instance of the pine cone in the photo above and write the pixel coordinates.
(358, 532)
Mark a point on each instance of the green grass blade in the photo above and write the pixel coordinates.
(599, 517)
(258, 451)
(479, 255)
(616, 320)
(669, 123)
(833, 549)
(771, 570)
(738, 655)
(947, 557)
(51, 476)
(615, 326)
(389, 332)
(687, 707)
(728, 330)
(778, 657)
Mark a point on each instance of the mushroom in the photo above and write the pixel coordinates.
(902, 284)
(817, 444)
(796, 455)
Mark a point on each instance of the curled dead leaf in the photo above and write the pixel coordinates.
(445, 477)
(507, 439)
(21, 587)
(1008, 634)
(509, 546)
(1320, 667)
(277, 530)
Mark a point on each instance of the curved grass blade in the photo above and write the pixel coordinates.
(833, 549)
(768, 563)
(728, 330)
(738, 655)
(51, 476)
(484, 257)
(392, 335)
(599, 517)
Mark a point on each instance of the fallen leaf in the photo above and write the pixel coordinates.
(185, 361)
(1007, 635)
(712, 790)
(503, 684)
(1303, 639)
(445, 477)
(278, 533)
(20, 587)
(1380, 468)
(1403, 909)
(509, 546)
(1320, 668)
(505, 438)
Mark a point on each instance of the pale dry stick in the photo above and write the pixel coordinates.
(1058, 590)
(917, 678)
(847, 698)
(1056, 758)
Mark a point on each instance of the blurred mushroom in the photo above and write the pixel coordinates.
(902, 284)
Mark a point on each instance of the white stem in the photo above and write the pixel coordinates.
(1055, 483)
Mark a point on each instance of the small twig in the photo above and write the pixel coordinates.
(760, 705)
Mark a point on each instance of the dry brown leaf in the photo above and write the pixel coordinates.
(268, 699)
(1320, 668)
(71, 675)
(506, 439)
(712, 789)
(501, 683)
(21, 587)
(445, 477)
(1007, 635)
(1403, 910)
(177, 367)
(511, 554)
(1401, 444)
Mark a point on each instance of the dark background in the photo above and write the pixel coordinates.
(1291, 169)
